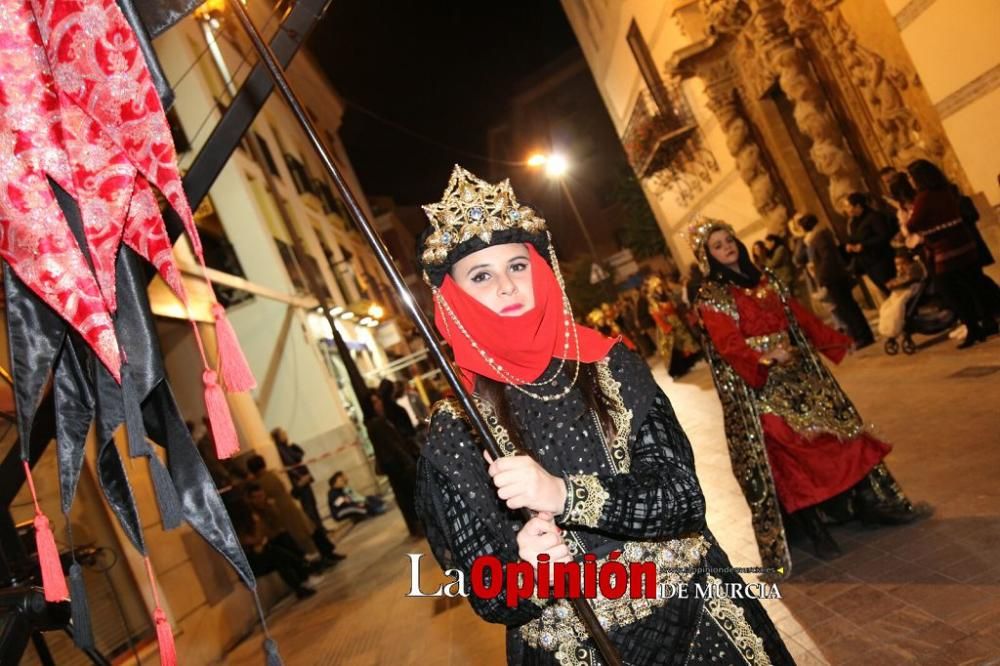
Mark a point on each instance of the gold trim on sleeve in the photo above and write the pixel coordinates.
(585, 499)
(621, 417)
(732, 621)
(449, 406)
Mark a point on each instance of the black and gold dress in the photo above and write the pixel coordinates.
(637, 494)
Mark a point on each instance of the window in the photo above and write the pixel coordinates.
(300, 177)
(265, 149)
(325, 194)
(292, 266)
(219, 253)
(291, 259)
(648, 69)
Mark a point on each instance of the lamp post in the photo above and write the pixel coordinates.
(556, 166)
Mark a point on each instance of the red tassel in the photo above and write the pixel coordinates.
(53, 579)
(165, 638)
(233, 366)
(223, 431)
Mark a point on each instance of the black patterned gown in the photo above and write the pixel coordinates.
(637, 494)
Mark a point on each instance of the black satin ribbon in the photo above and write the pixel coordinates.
(199, 499)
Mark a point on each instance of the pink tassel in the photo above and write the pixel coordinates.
(165, 638)
(53, 578)
(223, 431)
(233, 366)
(164, 634)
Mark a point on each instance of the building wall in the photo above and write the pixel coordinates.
(946, 86)
(953, 47)
(602, 30)
(304, 398)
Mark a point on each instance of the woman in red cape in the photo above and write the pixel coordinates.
(590, 446)
(795, 439)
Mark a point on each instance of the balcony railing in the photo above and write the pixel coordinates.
(666, 148)
(654, 135)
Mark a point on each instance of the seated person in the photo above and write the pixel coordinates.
(265, 555)
(892, 312)
(270, 520)
(345, 504)
(309, 537)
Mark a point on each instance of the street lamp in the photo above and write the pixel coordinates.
(556, 166)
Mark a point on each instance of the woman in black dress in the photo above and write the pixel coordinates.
(591, 446)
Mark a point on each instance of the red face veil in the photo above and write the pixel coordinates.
(514, 350)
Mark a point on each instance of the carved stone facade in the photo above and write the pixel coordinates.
(803, 101)
(876, 88)
(778, 41)
(723, 88)
(828, 152)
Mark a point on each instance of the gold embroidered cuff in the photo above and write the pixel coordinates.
(585, 498)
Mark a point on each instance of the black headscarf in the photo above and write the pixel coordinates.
(435, 272)
(748, 274)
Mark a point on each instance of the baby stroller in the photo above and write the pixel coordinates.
(926, 314)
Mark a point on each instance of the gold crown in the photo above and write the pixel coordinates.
(698, 234)
(651, 284)
(595, 317)
(471, 208)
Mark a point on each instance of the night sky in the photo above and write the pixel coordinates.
(441, 69)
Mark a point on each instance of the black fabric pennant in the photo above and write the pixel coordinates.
(167, 499)
(201, 503)
(75, 406)
(116, 487)
(199, 499)
(35, 334)
(132, 413)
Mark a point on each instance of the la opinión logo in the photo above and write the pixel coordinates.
(490, 577)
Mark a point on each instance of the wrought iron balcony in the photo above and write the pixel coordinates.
(665, 146)
(654, 135)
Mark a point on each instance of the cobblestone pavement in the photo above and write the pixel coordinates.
(927, 593)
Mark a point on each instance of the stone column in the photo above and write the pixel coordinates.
(770, 35)
(721, 86)
(881, 86)
(762, 35)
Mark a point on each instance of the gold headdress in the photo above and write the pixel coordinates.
(595, 317)
(651, 284)
(698, 234)
(472, 208)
